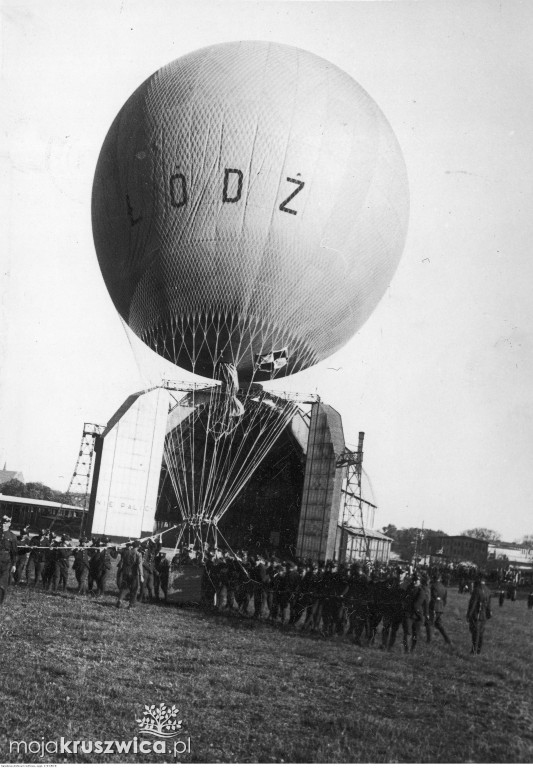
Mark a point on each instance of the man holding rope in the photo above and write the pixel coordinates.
(8, 555)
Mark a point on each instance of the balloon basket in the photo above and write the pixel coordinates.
(185, 584)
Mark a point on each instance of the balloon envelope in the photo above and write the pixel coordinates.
(250, 206)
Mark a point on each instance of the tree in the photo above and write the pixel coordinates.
(39, 491)
(13, 488)
(485, 534)
(390, 530)
(407, 541)
(34, 491)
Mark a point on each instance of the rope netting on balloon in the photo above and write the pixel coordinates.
(199, 341)
(215, 443)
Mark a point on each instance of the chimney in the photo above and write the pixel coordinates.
(360, 449)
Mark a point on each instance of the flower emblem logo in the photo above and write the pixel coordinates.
(159, 720)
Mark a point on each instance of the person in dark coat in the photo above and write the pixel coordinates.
(261, 579)
(61, 562)
(358, 599)
(415, 613)
(131, 573)
(246, 591)
(289, 585)
(161, 574)
(100, 566)
(277, 575)
(437, 604)
(306, 594)
(37, 556)
(222, 576)
(330, 598)
(512, 592)
(314, 611)
(148, 552)
(80, 566)
(234, 580)
(302, 601)
(49, 565)
(23, 553)
(426, 586)
(208, 584)
(478, 613)
(8, 555)
(390, 598)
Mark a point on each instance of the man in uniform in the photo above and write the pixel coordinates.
(289, 585)
(131, 573)
(329, 598)
(8, 555)
(222, 576)
(81, 566)
(261, 580)
(50, 556)
(425, 585)
(357, 601)
(437, 604)
(161, 574)
(39, 545)
(23, 554)
(416, 609)
(62, 555)
(479, 611)
(148, 552)
(314, 611)
(277, 574)
(100, 566)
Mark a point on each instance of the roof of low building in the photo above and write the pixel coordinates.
(370, 534)
(36, 502)
(447, 537)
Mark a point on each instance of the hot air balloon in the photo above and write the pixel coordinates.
(249, 209)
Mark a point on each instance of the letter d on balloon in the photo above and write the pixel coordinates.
(237, 197)
(178, 197)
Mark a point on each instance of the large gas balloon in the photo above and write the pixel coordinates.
(250, 207)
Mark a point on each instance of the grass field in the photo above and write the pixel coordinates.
(79, 668)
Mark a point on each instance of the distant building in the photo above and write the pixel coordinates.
(8, 474)
(505, 555)
(358, 545)
(459, 549)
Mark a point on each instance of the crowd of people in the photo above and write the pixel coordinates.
(337, 599)
(322, 597)
(44, 560)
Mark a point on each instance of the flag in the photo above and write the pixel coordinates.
(273, 361)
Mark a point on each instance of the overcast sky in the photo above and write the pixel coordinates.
(440, 377)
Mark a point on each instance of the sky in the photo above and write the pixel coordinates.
(439, 378)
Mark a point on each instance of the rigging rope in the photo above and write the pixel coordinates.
(207, 481)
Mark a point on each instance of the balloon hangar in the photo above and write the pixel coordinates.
(249, 208)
